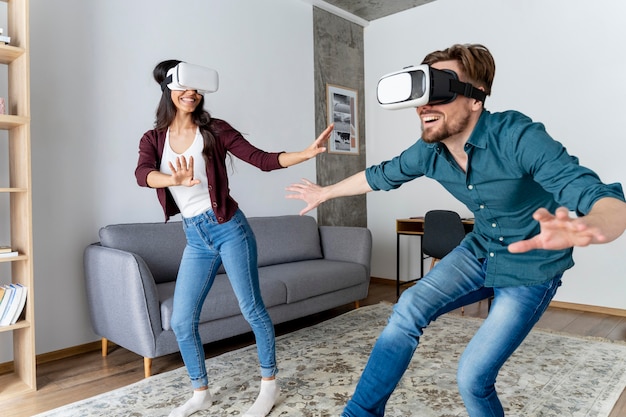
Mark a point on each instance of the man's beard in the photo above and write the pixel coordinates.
(445, 130)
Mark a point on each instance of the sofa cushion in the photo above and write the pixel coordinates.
(308, 279)
(160, 245)
(288, 238)
(221, 301)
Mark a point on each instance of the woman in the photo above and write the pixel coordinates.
(184, 159)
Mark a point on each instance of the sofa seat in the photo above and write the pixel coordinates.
(298, 281)
(221, 301)
(307, 279)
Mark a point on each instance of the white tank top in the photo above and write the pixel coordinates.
(190, 200)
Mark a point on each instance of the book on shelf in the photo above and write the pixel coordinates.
(21, 302)
(7, 299)
(9, 254)
(5, 39)
(15, 305)
(4, 299)
(5, 249)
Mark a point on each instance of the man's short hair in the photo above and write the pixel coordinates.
(477, 63)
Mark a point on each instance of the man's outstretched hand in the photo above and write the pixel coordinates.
(559, 231)
(307, 191)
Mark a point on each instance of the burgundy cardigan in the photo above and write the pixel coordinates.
(227, 139)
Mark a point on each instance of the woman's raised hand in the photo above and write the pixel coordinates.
(318, 145)
(182, 172)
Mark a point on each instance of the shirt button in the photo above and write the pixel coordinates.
(501, 239)
(214, 204)
(220, 219)
(470, 187)
(492, 254)
(482, 206)
(494, 225)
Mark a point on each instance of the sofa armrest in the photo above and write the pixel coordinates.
(350, 244)
(123, 299)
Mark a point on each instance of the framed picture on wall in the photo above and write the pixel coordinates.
(343, 107)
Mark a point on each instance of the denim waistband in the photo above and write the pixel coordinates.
(202, 217)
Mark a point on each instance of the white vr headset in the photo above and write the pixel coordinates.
(186, 76)
(420, 85)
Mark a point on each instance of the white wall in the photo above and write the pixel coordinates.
(93, 97)
(557, 61)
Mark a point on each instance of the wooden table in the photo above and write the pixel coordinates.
(415, 226)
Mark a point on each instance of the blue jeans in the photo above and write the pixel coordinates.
(209, 244)
(457, 280)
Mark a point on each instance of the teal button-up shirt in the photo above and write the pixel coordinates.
(514, 167)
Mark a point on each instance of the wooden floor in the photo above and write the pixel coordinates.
(67, 380)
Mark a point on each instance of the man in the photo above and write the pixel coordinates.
(521, 185)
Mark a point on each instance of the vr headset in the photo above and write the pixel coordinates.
(186, 76)
(420, 85)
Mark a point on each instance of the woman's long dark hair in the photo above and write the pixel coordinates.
(166, 111)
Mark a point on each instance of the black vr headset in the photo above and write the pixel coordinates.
(186, 76)
(420, 85)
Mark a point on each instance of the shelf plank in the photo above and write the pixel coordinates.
(9, 53)
(12, 190)
(9, 121)
(13, 258)
(21, 324)
(12, 385)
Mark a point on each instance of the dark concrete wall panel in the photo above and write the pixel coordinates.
(338, 49)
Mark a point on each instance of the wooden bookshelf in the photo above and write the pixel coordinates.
(22, 378)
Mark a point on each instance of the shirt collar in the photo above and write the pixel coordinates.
(478, 139)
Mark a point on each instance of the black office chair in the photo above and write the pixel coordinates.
(443, 231)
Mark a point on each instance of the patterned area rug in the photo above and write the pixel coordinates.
(550, 375)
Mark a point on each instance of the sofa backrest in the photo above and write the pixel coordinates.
(280, 239)
(160, 245)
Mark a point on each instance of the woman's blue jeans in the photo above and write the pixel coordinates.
(457, 280)
(209, 244)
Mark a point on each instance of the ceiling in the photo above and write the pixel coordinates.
(375, 9)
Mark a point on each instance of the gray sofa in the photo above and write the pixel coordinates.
(303, 269)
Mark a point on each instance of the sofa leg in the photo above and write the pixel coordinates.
(357, 304)
(105, 347)
(147, 367)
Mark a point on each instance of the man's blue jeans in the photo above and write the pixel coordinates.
(457, 280)
(209, 244)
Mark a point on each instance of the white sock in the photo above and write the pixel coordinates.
(270, 391)
(199, 401)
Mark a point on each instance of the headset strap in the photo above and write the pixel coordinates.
(165, 82)
(467, 90)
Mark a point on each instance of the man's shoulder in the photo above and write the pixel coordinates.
(510, 116)
(508, 123)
